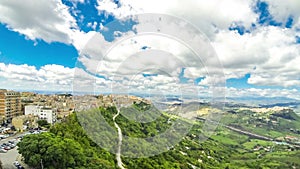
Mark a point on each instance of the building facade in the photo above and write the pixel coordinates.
(44, 113)
(10, 105)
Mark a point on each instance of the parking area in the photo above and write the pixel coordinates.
(8, 149)
(9, 156)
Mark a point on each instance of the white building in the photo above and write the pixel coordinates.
(44, 113)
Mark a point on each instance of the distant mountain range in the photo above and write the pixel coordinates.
(267, 102)
(263, 101)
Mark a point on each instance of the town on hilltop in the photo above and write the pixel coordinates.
(22, 110)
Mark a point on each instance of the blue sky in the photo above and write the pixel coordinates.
(15, 49)
(245, 41)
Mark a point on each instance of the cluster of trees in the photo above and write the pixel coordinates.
(51, 151)
(65, 146)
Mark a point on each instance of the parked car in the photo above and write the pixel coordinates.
(20, 167)
(36, 132)
(16, 163)
(7, 148)
(5, 144)
(3, 136)
(11, 141)
(20, 136)
(3, 150)
(12, 146)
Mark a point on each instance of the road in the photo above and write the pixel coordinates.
(118, 154)
(249, 133)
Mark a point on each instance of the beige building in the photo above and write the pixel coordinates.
(10, 105)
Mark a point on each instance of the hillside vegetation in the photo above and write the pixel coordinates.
(67, 145)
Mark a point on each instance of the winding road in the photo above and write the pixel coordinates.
(118, 154)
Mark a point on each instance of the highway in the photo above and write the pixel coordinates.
(250, 134)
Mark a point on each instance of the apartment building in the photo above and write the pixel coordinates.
(10, 105)
(44, 113)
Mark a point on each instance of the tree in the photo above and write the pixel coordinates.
(43, 123)
(51, 151)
